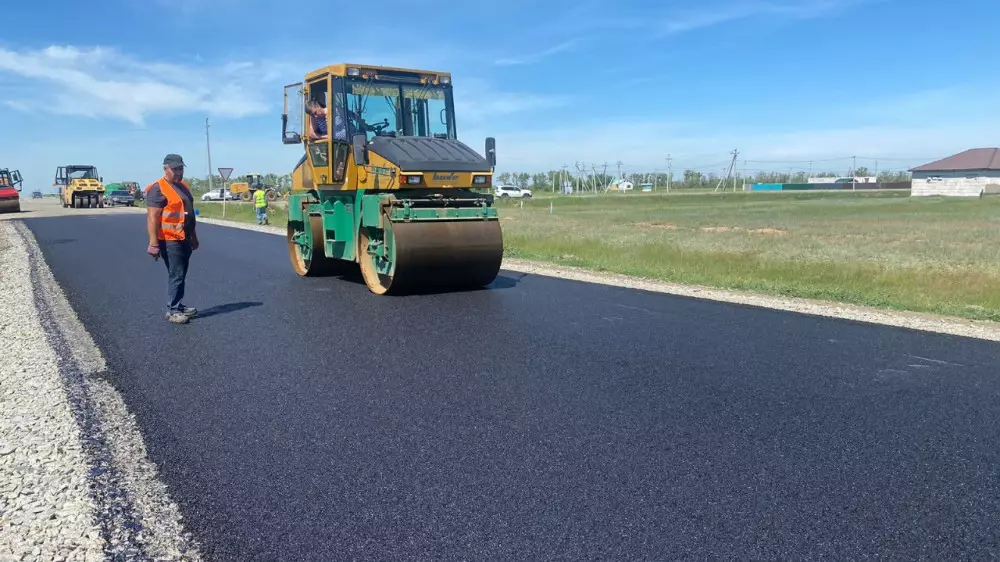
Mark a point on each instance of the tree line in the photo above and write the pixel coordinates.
(282, 182)
(548, 181)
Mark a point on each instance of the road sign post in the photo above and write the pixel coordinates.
(224, 172)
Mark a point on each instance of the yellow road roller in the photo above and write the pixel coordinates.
(80, 186)
(385, 183)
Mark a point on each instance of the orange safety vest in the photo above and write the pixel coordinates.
(172, 220)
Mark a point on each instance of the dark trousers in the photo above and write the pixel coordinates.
(176, 256)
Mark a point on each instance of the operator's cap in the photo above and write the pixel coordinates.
(173, 160)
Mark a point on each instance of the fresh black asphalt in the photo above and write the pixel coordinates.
(307, 419)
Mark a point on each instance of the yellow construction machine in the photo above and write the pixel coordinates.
(250, 184)
(80, 186)
(388, 185)
(10, 191)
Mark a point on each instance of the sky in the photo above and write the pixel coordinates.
(120, 83)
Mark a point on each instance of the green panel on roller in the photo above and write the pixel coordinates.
(442, 213)
(338, 217)
(371, 206)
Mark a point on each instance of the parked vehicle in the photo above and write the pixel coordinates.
(504, 191)
(217, 195)
(119, 197)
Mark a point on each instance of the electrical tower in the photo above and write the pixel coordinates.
(729, 172)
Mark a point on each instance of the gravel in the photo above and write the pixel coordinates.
(75, 481)
(45, 505)
(912, 320)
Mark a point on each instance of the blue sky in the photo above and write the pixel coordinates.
(119, 83)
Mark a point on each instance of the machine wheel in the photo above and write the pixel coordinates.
(245, 196)
(100, 203)
(405, 256)
(317, 264)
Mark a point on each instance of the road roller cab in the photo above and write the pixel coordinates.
(80, 186)
(10, 191)
(386, 183)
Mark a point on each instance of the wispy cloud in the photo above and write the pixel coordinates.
(101, 82)
(679, 20)
(479, 102)
(646, 144)
(689, 20)
(538, 55)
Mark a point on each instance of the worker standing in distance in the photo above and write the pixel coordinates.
(260, 205)
(170, 223)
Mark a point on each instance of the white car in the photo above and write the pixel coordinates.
(504, 191)
(216, 195)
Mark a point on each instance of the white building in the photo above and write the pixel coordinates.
(972, 173)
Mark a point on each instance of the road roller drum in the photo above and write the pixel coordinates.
(440, 254)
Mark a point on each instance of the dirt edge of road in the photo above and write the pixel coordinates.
(901, 319)
(120, 508)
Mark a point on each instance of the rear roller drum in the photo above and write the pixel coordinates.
(430, 255)
(309, 258)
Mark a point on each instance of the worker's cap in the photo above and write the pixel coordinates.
(173, 160)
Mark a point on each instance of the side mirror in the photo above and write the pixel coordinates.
(359, 143)
(491, 151)
(101, 179)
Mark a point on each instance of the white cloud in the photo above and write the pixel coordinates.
(790, 9)
(682, 20)
(644, 146)
(101, 82)
(478, 102)
(538, 55)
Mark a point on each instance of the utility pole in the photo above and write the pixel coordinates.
(729, 171)
(208, 149)
(670, 171)
(854, 172)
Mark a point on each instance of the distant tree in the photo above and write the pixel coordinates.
(540, 181)
(693, 178)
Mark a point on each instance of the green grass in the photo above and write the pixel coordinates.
(887, 250)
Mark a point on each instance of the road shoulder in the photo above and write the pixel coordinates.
(75, 480)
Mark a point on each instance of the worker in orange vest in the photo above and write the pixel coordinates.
(170, 223)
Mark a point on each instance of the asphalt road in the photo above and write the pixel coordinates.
(307, 419)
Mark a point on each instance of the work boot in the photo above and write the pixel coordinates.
(188, 311)
(177, 318)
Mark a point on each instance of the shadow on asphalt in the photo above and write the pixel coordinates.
(57, 241)
(227, 308)
(501, 282)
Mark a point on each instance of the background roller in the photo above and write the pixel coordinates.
(10, 191)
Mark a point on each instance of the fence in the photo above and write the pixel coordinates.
(828, 186)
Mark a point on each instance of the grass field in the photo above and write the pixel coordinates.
(881, 249)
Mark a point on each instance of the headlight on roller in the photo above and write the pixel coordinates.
(479, 180)
(413, 180)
